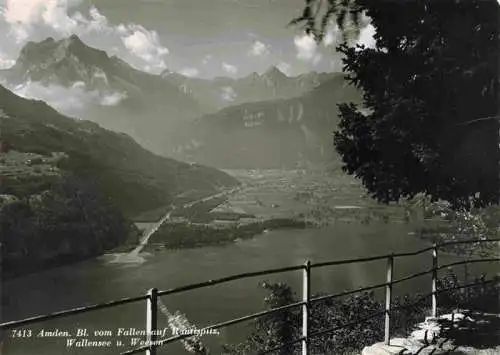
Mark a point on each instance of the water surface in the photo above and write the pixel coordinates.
(99, 280)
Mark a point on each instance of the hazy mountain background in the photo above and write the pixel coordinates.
(284, 133)
(222, 92)
(266, 120)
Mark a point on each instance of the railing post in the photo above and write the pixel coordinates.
(388, 299)
(306, 296)
(151, 318)
(434, 279)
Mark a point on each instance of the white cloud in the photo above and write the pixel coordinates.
(229, 68)
(112, 99)
(145, 45)
(259, 49)
(5, 61)
(25, 15)
(333, 35)
(190, 72)
(285, 68)
(228, 93)
(38, 19)
(366, 36)
(98, 23)
(307, 49)
(67, 100)
(364, 20)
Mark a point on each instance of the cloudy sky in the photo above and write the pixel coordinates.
(204, 38)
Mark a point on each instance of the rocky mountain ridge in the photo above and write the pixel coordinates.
(261, 120)
(129, 100)
(223, 92)
(285, 133)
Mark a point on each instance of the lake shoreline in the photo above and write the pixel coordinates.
(186, 235)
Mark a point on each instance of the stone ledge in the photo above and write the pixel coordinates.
(403, 347)
(425, 340)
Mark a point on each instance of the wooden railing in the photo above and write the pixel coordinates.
(152, 297)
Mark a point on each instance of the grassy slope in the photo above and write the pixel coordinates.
(135, 179)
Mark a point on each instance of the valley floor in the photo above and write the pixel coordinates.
(270, 199)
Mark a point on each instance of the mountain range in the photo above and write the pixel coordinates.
(222, 92)
(284, 133)
(72, 177)
(135, 179)
(261, 120)
(128, 100)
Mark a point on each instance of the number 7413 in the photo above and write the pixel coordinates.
(21, 333)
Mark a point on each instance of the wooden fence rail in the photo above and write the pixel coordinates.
(152, 299)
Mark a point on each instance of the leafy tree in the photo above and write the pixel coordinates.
(343, 314)
(69, 221)
(431, 92)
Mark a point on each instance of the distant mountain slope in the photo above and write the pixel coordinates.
(135, 179)
(269, 134)
(223, 92)
(131, 101)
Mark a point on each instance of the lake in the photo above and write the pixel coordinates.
(100, 280)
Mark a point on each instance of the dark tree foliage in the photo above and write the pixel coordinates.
(482, 294)
(69, 221)
(279, 329)
(431, 89)
(355, 321)
(282, 329)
